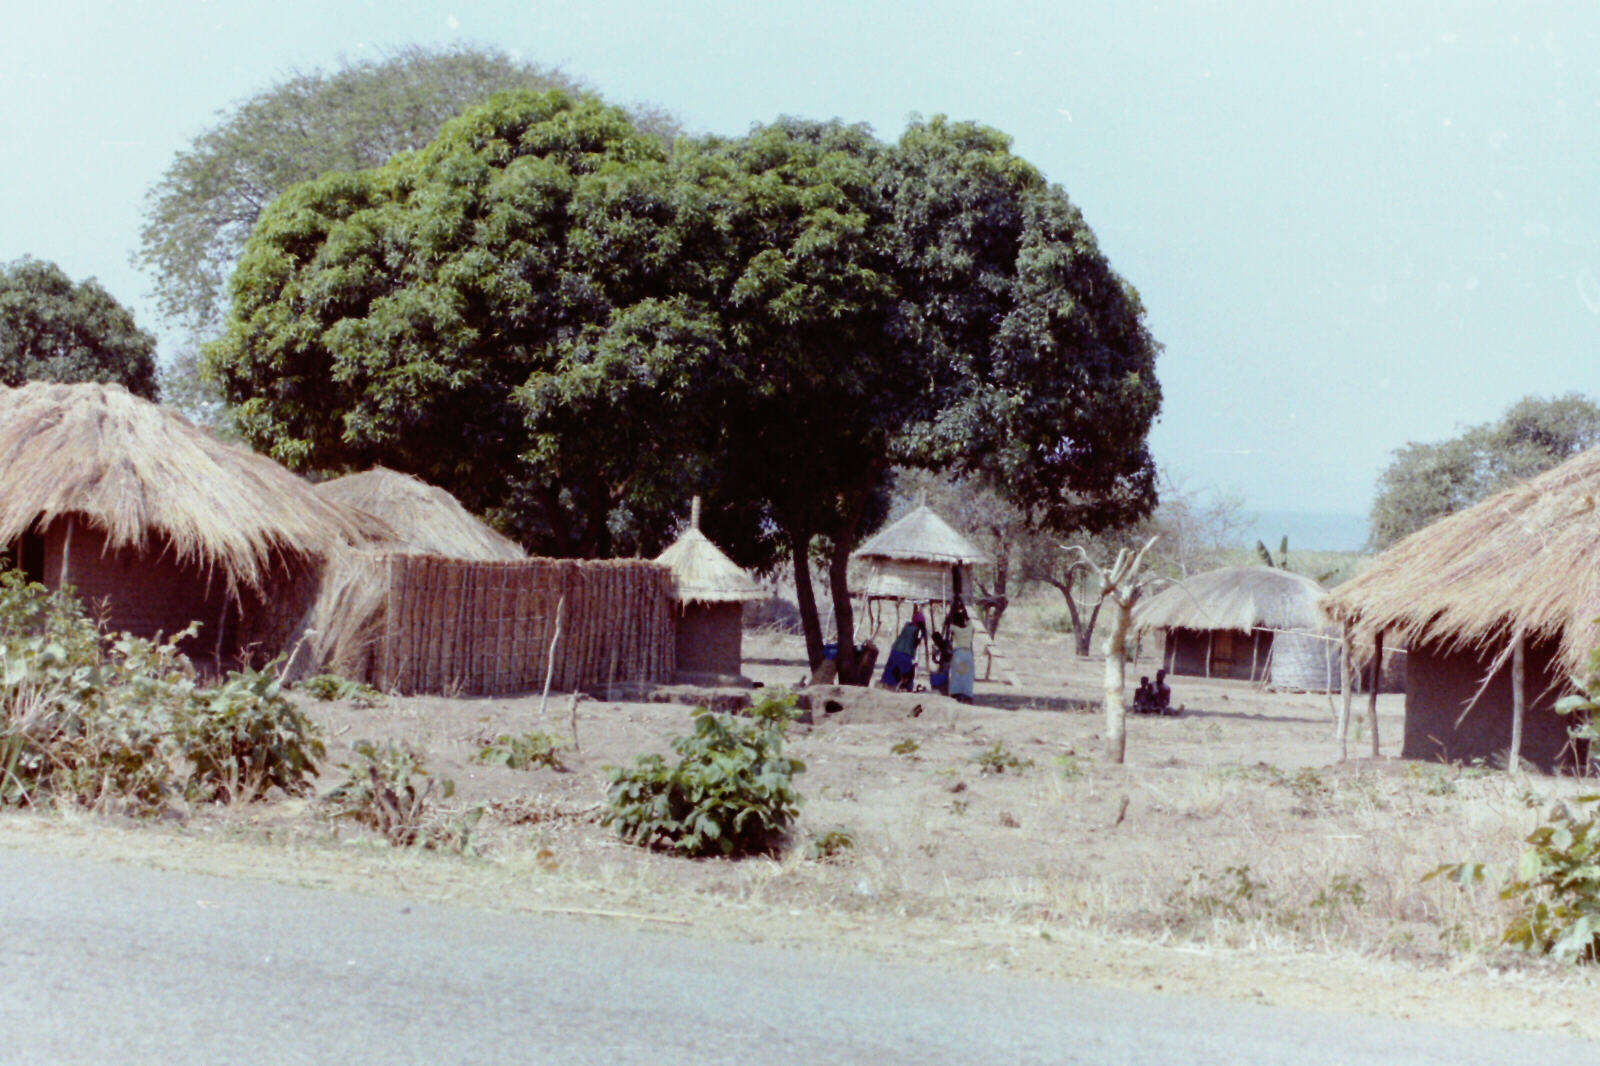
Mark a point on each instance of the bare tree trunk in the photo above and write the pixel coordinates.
(1344, 690)
(1377, 683)
(843, 608)
(1116, 735)
(1518, 702)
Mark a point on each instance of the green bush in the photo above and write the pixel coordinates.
(243, 739)
(387, 788)
(526, 752)
(1557, 885)
(326, 687)
(997, 760)
(115, 722)
(730, 792)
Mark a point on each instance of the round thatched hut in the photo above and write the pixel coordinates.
(159, 523)
(423, 517)
(709, 591)
(1251, 623)
(1493, 601)
(920, 558)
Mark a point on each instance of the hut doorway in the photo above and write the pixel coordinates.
(1222, 654)
(26, 553)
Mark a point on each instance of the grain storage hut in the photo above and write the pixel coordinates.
(1505, 591)
(709, 592)
(423, 518)
(1249, 623)
(921, 559)
(160, 523)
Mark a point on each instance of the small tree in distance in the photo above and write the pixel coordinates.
(1122, 586)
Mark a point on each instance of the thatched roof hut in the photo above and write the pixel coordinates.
(1461, 593)
(919, 557)
(1246, 622)
(423, 518)
(132, 504)
(709, 591)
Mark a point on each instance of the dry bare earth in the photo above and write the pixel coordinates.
(1231, 857)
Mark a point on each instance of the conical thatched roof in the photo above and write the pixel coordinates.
(922, 536)
(424, 518)
(702, 574)
(148, 478)
(1523, 559)
(1235, 597)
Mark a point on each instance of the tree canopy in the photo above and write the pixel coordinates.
(1428, 480)
(546, 315)
(55, 329)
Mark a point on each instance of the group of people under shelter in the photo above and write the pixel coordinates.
(953, 669)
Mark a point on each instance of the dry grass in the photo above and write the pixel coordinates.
(1231, 857)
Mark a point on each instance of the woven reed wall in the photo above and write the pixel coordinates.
(484, 628)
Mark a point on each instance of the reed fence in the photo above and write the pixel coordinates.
(484, 628)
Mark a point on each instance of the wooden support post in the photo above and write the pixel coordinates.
(1372, 689)
(1518, 703)
(1210, 634)
(66, 555)
(550, 663)
(1344, 690)
(1253, 639)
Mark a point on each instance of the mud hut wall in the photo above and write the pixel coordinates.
(710, 638)
(484, 628)
(1440, 684)
(147, 594)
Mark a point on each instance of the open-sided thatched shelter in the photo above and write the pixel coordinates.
(709, 592)
(1245, 622)
(1504, 590)
(423, 518)
(158, 521)
(920, 558)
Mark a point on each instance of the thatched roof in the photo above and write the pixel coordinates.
(1521, 559)
(922, 536)
(424, 518)
(1234, 597)
(148, 478)
(702, 574)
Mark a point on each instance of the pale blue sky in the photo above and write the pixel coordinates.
(1353, 224)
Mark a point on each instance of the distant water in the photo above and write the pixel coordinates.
(1307, 530)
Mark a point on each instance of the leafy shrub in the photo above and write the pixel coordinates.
(115, 722)
(243, 739)
(831, 843)
(388, 789)
(731, 791)
(526, 752)
(327, 687)
(1557, 885)
(997, 760)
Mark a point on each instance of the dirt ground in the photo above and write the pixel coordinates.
(1232, 856)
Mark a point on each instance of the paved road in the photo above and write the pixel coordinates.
(113, 964)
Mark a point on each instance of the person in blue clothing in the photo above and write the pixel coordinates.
(958, 633)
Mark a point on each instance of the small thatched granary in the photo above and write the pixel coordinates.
(1505, 591)
(920, 558)
(424, 518)
(709, 592)
(158, 523)
(1250, 623)
(342, 631)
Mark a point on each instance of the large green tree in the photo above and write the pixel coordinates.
(390, 315)
(1428, 480)
(200, 213)
(55, 329)
(543, 313)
